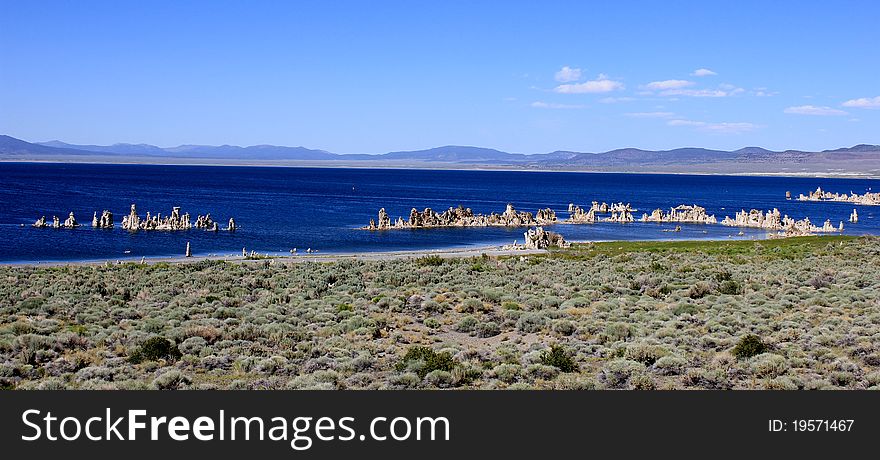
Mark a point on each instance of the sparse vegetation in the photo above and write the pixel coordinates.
(802, 313)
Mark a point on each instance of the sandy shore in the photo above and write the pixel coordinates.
(301, 257)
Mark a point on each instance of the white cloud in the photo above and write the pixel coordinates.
(602, 84)
(551, 105)
(718, 128)
(813, 110)
(650, 114)
(698, 92)
(667, 84)
(764, 92)
(685, 123)
(614, 100)
(864, 103)
(567, 74)
(702, 73)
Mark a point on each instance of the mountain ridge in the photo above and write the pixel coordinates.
(854, 158)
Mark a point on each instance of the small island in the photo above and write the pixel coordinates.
(783, 225)
(867, 199)
(463, 217)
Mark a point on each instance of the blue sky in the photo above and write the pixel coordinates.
(370, 77)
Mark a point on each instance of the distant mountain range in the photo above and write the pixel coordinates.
(861, 159)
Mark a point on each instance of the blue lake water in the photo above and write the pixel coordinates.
(322, 208)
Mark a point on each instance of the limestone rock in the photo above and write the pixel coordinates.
(682, 214)
(461, 217)
(40, 223)
(71, 222)
(620, 212)
(867, 199)
(105, 221)
(783, 225)
(538, 238)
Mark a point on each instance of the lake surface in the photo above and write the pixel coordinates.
(278, 209)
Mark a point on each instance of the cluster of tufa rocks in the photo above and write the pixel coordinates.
(620, 212)
(463, 217)
(105, 221)
(868, 199)
(176, 221)
(70, 222)
(783, 225)
(681, 214)
(133, 222)
(538, 238)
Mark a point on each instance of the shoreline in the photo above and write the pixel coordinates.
(444, 167)
(446, 253)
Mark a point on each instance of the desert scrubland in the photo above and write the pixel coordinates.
(799, 313)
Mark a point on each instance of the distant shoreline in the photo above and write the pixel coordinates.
(443, 167)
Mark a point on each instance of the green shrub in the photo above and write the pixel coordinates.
(730, 287)
(467, 324)
(699, 290)
(748, 346)
(423, 360)
(154, 349)
(429, 261)
(488, 329)
(557, 357)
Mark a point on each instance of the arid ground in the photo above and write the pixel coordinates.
(799, 313)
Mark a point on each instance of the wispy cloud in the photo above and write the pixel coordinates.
(764, 92)
(667, 84)
(650, 114)
(814, 110)
(567, 74)
(720, 92)
(551, 105)
(864, 103)
(702, 73)
(614, 100)
(718, 128)
(602, 84)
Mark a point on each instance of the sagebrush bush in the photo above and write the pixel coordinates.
(154, 349)
(423, 360)
(559, 358)
(749, 346)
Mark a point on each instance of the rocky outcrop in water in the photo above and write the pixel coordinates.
(577, 215)
(204, 222)
(71, 222)
(546, 216)
(175, 221)
(538, 238)
(105, 221)
(783, 225)
(681, 214)
(231, 227)
(620, 212)
(463, 217)
(854, 217)
(867, 199)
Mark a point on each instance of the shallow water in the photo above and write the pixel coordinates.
(278, 209)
